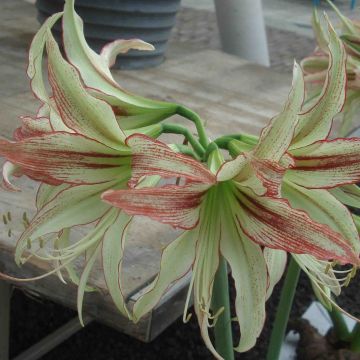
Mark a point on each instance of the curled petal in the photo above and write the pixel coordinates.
(152, 157)
(32, 127)
(9, 169)
(276, 137)
(264, 177)
(315, 123)
(111, 50)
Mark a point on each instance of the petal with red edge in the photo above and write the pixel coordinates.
(112, 254)
(315, 123)
(152, 157)
(276, 264)
(65, 157)
(9, 169)
(276, 137)
(171, 204)
(248, 269)
(327, 164)
(32, 127)
(275, 224)
(325, 209)
(79, 110)
(111, 50)
(176, 261)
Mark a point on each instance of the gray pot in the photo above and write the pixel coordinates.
(107, 20)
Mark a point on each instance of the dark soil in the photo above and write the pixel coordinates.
(32, 319)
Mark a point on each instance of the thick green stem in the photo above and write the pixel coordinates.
(178, 129)
(340, 327)
(283, 310)
(195, 118)
(355, 341)
(223, 333)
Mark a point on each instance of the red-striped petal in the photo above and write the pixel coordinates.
(63, 157)
(152, 157)
(327, 164)
(171, 204)
(275, 224)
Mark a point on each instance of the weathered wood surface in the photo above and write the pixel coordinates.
(229, 93)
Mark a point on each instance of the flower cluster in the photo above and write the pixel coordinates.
(94, 148)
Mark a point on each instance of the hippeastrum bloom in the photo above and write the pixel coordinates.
(131, 111)
(231, 209)
(315, 66)
(323, 172)
(76, 149)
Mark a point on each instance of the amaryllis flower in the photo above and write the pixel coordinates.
(76, 148)
(322, 173)
(232, 209)
(315, 66)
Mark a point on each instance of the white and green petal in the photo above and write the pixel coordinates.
(79, 110)
(275, 224)
(94, 69)
(276, 264)
(249, 271)
(315, 123)
(327, 164)
(325, 209)
(64, 157)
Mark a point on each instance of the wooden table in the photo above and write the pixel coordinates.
(232, 95)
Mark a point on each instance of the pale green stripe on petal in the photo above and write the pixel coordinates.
(347, 194)
(79, 110)
(249, 271)
(73, 206)
(276, 137)
(112, 256)
(325, 209)
(315, 123)
(276, 263)
(176, 261)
